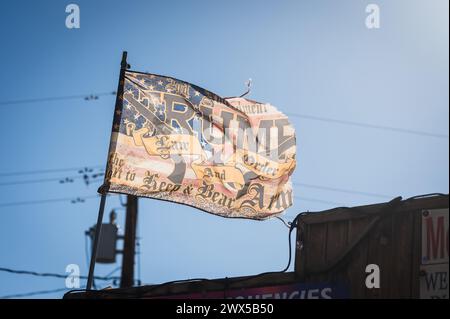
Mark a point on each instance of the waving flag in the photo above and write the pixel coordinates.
(174, 141)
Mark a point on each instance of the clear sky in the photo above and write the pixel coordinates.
(305, 57)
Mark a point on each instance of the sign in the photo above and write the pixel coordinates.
(435, 247)
(434, 281)
(292, 291)
(174, 141)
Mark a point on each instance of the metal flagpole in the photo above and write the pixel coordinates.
(98, 229)
(123, 66)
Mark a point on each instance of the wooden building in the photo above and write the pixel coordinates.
(338, 244)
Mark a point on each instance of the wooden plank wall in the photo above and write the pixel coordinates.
(393, 244)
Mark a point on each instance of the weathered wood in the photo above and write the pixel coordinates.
(379, 252)
(300, 255)
(337, 239)
(401, 268)
(339, 214)
(393, 243)
(316, 249)
(354, 272)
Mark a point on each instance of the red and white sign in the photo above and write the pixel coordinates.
(435, 236)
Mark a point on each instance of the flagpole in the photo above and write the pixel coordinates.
(98, 229)
(119, 95)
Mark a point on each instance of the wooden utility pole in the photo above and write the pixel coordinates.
(127, 277)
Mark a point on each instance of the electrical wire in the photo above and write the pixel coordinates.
(113, 271)
(87, 97)
(73, 200)
(52, 170)
(33, 293)
(283, 221)
(316, 200)
(42, 180)
(95, 96)
(292, 226)
(307, 185)
(54, 275)
(341, 190)
(368, 125)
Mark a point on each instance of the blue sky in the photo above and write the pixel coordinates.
(309, 57)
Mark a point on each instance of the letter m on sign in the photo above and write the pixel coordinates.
(435, 236)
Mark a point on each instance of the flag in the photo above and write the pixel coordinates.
(174, 141)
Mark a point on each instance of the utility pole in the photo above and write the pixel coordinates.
(129, 246)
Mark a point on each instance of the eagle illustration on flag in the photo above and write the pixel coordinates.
(174, 141)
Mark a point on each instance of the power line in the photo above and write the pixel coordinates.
(368, 125)
(95, 96)
(113, 271)
(86, 97)
(42, 180)
(73, 200)
(53, 275)
(45, 171)
(62, 180)
(283, 221)
(101, 174)
(81, 199)
(33, 293)
(316, 200)
(341, 190)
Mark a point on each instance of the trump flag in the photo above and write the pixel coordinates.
(174, 141)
